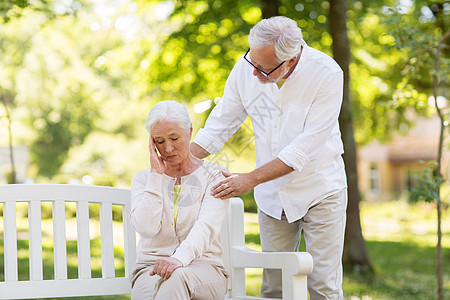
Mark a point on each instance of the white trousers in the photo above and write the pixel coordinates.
(199, 280)
(323, 229)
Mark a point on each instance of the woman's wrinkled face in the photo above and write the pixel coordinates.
(172, 141)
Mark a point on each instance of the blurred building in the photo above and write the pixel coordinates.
(384, 170)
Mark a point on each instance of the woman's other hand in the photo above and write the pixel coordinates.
(156, 161)
(164, 267)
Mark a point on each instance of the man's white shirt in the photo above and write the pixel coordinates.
(297, 124)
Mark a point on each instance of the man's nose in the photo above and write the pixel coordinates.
(255, 72)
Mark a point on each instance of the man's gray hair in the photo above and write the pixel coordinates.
(170, 111)
(279, 31)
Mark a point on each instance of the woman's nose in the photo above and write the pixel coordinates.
(169, 147)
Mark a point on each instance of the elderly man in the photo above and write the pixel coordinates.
(293, 95)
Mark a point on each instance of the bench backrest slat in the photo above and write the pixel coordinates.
(59, 239)
(10, 241)
(106, 235)
(35, 237)
(83, 240)
(129, 236)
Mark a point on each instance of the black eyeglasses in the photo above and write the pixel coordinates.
(259, 70)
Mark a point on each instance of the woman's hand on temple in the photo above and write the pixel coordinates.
(156, 161)
(164, 267)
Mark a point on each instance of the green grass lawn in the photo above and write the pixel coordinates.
(400, 239)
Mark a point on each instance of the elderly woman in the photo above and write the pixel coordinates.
(176, 217)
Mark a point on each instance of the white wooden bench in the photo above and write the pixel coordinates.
(295, 266)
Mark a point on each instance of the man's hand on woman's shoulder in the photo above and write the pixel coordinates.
(233, 185)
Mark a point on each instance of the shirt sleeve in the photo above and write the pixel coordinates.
(225, 118)
(206, 228)
(320, 122)
(146, 203)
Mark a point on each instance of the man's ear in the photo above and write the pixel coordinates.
(292, 61)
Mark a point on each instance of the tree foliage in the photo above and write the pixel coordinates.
(427, 187)
(13, 9)
(139, 52)
(55, 90)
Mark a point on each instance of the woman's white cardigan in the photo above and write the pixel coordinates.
(200, 216)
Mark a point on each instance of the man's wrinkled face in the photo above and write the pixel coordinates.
(264, 59)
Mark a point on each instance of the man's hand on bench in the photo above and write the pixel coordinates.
(164, 267)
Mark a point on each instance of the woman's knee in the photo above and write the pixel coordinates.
(211, 290)
(175, 287)
(143, 288)
(179, 276)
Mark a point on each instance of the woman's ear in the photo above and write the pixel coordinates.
(190, 132)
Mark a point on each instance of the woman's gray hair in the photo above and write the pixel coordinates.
(279, 31)
(170, 111)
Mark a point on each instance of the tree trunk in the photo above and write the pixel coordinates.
(12, 179)
(269, 8)
(439, 258)
(355, 252)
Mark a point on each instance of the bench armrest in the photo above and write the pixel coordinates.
(296, 263)
(295, 266)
